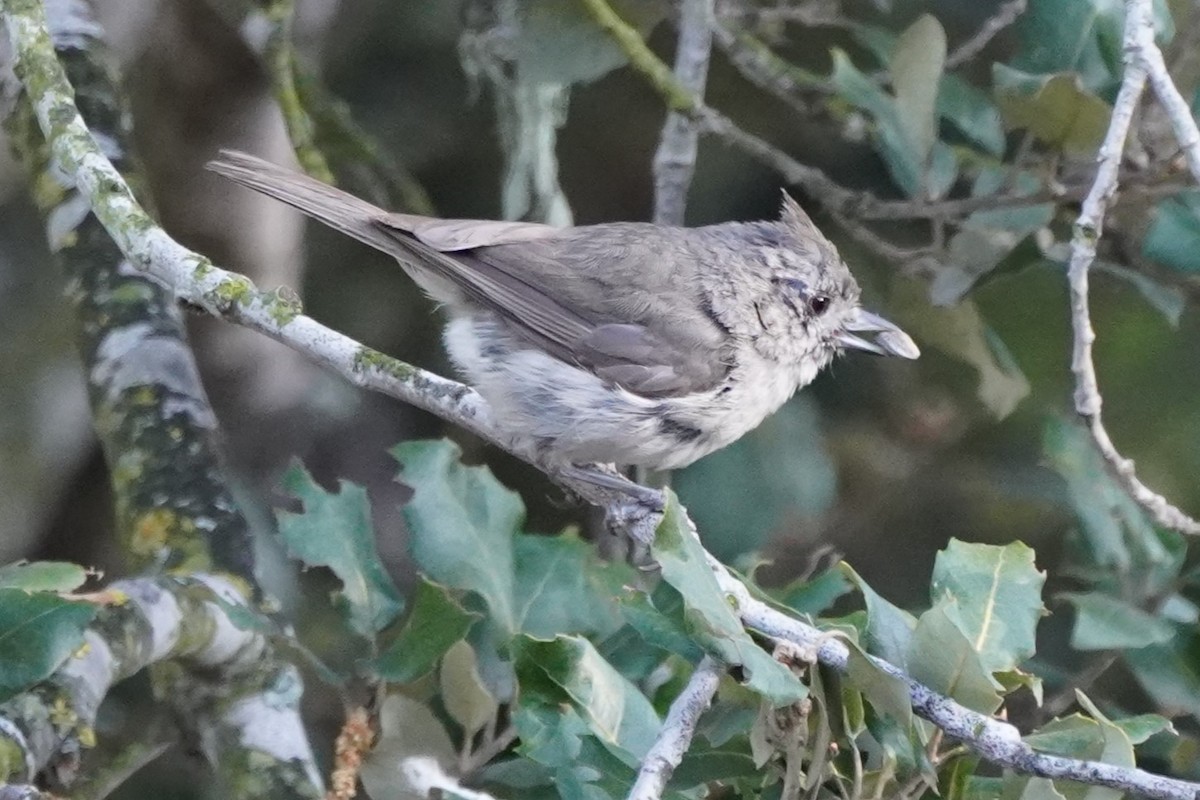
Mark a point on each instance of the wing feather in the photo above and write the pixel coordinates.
(604, 306)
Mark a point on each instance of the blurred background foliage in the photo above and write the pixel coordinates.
(878, 462)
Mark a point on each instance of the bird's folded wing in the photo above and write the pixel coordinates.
(521, 271)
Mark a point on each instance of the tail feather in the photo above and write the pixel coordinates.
(337, 209)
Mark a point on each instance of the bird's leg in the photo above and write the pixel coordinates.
(635, 510)
(606, 477)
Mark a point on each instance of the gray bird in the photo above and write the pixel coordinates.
(628, 343)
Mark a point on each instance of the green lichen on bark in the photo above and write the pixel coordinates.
(369, 359)
(233, 291)
(12, 761)
(280, 58)
(174, 509)
(283, 305)
(260, 775)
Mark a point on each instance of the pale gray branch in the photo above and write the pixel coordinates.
(1176, 107)
(996, 741)
(1005, 15)
(677, 731)
(1139, 58)
(675, 159)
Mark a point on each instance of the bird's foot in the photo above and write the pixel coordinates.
(629, 508)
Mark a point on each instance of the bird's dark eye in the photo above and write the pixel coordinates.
(818, 304)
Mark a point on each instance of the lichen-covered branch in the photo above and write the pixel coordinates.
(677, 731)
(280, 58)
(675, 159)
(159, 434)
(249, 698)
(278, 314)
(1139, 42)
(174, 508)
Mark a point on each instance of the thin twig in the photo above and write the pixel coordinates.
(320, 127)
(1139, 38)
(818, 14)
(280, 57)
(1067, 696)
(819, 187)
(677, 731)
(758, 63)
(675, 159)
(1177, 109)
(1005, 15)
(678, 98)
(345, 141)
(994, 740)
(494, 745)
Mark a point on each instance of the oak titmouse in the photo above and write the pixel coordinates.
(626, 342)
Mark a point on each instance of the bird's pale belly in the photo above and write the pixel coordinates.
(574, 416)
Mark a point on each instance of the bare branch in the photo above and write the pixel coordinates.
(680, 99)
(997, 742)
(1005, 15)
(817, 185)
(1139, 45)
(675, 159)
(1151, 57)
(677, 731)
(759, 64)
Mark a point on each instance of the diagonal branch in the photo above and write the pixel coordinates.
(228, 295)
(1176, 107)
(1005, 15)
(1139, 51)
(677, 731)
(681, 99)
(759, 64)
(280, 56)
(996, 741)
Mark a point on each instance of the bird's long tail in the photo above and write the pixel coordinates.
(337, 209)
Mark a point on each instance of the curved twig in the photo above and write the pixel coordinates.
(677, 731)
(1139, 55)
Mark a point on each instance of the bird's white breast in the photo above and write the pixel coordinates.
(577, 417)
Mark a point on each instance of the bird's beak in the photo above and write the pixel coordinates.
(887, 341)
